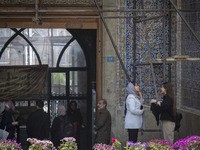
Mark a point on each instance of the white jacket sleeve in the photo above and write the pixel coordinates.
(142, 101)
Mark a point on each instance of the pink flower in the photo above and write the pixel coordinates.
(114, 140)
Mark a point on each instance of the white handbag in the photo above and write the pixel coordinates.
(3, 134)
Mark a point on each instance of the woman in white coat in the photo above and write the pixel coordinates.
(134, 111)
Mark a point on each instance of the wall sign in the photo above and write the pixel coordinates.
(110, 59)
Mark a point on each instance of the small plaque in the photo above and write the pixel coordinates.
(110, 59)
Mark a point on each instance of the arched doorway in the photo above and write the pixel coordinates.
(71, 57)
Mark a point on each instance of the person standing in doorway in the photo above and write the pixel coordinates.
(168, 111)
(62, 126)
(102, 129)
(77, 119)
(7, 120)
(134, 111)
(38, 123)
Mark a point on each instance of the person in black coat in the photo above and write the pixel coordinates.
(168, 111)
(75, 114)
(60, 123)
(7, 121)
(38, 123)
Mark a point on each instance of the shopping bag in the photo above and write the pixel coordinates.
(3, 134)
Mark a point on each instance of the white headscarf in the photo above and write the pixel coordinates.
(131, 90)
(61, 110)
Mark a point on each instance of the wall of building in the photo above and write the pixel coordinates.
(114, 80)
(189, 124)
(110, 76)
(188, 83)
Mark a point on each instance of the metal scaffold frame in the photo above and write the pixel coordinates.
(151, 60)
(37, 16)
(41, 14)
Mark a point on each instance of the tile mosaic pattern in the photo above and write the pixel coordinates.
(190, 46)
(154, 29)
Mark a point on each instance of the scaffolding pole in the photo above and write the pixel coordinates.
(113, 42)
(89, 11)
(164, 45)
(184, 20)
(134, 43)
(74, 17)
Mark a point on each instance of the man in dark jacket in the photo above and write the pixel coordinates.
(38, 123)
(103, 124)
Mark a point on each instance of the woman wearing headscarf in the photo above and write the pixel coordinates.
(134, 111)
(60, 123)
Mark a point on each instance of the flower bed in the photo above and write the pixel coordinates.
(69, 143)
(189, 143)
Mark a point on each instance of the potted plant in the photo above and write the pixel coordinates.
(100, 146)
(192, 142)
(159, 145)
(40, 144)
(9, 145)
(136, 146)
(116, 144)
(68, 143)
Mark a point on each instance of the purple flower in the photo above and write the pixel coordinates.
(192, 142)
(9, 144)
(138, 145)
(38, 144)
(100, 146)
(159, 144)
(69, 139)
(68, 143)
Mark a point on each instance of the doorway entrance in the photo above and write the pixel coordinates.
(71, 58)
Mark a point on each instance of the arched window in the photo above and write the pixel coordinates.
(55, 47)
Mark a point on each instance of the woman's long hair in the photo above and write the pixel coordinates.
(169, 90)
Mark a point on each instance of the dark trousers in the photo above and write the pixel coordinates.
(133, 135)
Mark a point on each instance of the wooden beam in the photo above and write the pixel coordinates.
(98, 61)
(69, 25)
(170, 59)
